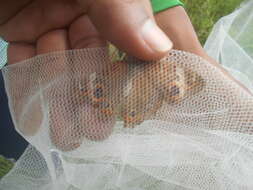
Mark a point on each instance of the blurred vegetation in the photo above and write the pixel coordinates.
(5, 166)
(205, 13)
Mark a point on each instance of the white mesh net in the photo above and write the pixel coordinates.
(231, 43)
(98, 124)
(95, 124)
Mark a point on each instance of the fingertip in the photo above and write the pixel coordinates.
(129, 26)
(53, 41)
(155, 38)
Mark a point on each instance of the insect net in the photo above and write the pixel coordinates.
(231, 43)
(97, 123)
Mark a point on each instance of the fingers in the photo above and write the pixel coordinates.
(50, 42)
(17, 52)
(64, 134)
(94, 124)
(18, 85)
(35, 18)
(56, 40)
(177, 25)
(67, 129)
(83, 34)
(9, 8)
(130, 26)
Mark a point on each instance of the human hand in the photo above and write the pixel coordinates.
(46, 26)
(29, 26)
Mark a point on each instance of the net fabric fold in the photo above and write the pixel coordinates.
(231, 43)
(94, 123)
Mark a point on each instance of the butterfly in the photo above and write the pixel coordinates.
(102, 89)
(136, 92)
(140, 100)
(156, 84)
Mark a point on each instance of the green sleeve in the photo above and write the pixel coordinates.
(160, 5)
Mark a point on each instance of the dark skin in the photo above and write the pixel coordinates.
(72, 24)
(34, 27)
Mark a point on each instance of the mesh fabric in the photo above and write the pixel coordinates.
(93, 123)
(231, 43)
(178, 123)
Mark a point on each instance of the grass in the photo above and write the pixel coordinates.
(5, 166)
(203, 13)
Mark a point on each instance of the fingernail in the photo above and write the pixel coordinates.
(155, 37)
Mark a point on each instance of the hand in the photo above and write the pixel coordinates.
(32, 25)
(43, 26)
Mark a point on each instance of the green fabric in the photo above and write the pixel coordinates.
(160, 5)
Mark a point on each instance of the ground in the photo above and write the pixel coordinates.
(203, 13)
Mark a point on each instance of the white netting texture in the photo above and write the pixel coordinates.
(93, 124)
(231, 43)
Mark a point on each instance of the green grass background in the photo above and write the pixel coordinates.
(5, 166)
(203, 13)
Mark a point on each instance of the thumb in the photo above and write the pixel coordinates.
(130, 26)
